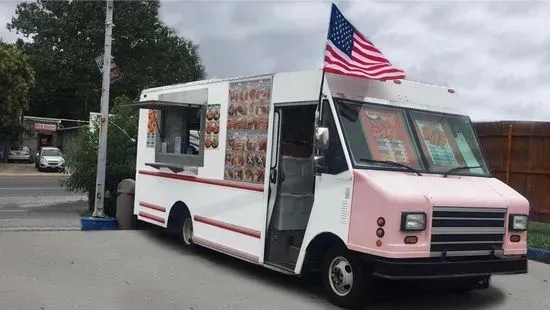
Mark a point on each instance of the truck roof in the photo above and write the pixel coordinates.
(304, 86)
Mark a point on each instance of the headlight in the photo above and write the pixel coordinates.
(413, 221)
(43, 160)
(518, 222)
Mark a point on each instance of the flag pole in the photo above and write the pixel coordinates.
(319, 104)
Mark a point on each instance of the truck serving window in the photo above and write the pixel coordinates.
(180, 124)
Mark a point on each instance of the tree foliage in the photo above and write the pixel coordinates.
(67, 36)
(16, 80)
(81, 158)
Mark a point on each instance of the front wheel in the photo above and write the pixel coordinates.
(347, 280)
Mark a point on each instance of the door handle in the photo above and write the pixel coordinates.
(273, 175)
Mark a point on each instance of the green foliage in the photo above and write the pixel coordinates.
(68, 36)
(538, 235)
(81, 159)
(16, 80)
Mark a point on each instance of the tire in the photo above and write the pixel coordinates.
(186, 231)
(341, 266)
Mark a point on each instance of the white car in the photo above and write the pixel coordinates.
(50, 158)
(20, 153)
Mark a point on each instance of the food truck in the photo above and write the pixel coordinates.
(314, 172)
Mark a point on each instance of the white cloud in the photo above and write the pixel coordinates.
(495, 53)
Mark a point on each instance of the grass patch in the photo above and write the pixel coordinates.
(538, 235)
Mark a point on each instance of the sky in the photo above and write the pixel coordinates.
(496, 54)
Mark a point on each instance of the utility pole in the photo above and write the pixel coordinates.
(104, 121)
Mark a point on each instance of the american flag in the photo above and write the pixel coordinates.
(349, 53)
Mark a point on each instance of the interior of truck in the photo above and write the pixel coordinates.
(292, 184)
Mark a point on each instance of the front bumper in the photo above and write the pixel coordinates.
(57, 166)
(428, 268)
(20, 157)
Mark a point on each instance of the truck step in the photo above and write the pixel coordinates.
(292, 253)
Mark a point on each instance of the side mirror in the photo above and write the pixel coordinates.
(321, 138)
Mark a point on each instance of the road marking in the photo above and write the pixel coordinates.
(30, 188)
(12, 210)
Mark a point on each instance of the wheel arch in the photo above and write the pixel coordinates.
(178, 212)
(317, 248)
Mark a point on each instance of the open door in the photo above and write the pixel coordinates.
(291, 184)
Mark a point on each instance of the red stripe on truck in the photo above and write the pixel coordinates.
(151, 217)
(152, 206)
(250, 187)
(232, 227)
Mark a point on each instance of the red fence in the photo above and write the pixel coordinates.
(518, 153)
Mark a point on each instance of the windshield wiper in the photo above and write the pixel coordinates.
(391, 163)
(458, 169)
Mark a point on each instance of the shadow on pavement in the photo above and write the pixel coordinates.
(395, 295)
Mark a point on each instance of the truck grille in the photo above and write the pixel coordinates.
(467, 231)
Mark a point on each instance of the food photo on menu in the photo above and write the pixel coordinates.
(212, 126)
(387, 136)
(247, 124)
(435, 139)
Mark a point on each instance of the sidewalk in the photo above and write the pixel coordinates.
(58, 217)
(16, 169)
(139, 270)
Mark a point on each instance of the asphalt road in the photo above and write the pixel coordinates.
(38, 202)
(142, 270)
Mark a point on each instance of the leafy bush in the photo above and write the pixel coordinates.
(81, 158)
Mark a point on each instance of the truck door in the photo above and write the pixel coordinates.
(291, 183)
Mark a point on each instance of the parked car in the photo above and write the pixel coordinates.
(20, 153)
(50, 158)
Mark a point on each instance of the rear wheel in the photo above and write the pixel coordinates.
(187, 231)
(347, 280)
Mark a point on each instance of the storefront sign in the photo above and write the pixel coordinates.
(45, 127)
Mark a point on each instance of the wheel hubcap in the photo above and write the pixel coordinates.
(340, 276)
(187, 231)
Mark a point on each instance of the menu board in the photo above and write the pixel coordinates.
(467, 154)
(434, 136)
(211, 139)
(387, 135)
(152, 128)
(247, 122)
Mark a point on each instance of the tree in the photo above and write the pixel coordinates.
(16, 80)
(81, 158)
(67, 37)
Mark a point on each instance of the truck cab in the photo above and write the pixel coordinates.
(423, 203)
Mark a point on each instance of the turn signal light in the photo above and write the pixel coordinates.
(411, 239)
(515, 238)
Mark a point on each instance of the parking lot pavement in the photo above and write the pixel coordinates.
(142, 270)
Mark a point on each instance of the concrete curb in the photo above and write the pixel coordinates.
(541, 255)
(37, 174)
(39, 228)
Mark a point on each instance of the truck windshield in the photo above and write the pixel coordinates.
(426, 141)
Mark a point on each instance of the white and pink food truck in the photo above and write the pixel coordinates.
(364, 180)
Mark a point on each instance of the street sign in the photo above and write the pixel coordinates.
(115, 74)
(115, 71)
